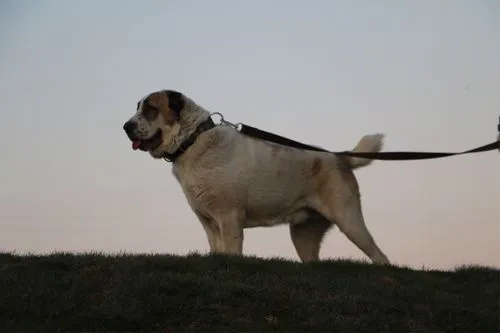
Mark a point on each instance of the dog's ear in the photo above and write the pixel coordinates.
(176, 103)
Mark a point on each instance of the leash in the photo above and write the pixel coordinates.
(388, 156)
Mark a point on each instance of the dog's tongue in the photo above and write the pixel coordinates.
(136, 144)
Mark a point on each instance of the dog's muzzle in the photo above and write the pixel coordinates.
(130, 128)
(153, 142)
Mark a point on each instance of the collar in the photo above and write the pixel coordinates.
(202, 127)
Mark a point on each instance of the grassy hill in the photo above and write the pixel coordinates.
(163, 293)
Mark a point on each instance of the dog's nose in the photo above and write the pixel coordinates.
(129, 127)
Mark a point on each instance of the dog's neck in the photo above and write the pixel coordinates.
(194, 120)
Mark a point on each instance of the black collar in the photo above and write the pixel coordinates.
(202, 127)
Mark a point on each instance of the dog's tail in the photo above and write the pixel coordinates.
(368, 144)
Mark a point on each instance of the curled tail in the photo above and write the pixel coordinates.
(369, 143)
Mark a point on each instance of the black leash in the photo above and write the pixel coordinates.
(271, 137)
(394, 156)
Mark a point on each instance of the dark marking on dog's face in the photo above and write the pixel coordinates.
(155, 116)
(150, 112)
(176, 102)
(168, 103)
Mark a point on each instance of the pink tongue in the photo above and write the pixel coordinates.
(136, 144)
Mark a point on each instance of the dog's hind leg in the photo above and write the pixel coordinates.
(343, 207)
(350, 221)
(308, 235)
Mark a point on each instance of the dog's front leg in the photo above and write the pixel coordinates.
(231, 228)
(213, 234)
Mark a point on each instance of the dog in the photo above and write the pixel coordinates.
(233, 181)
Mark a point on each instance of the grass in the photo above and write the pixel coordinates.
(215, 293)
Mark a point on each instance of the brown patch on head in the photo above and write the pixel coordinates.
(167, 102)
(317, 166)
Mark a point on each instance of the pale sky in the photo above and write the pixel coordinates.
(326, 72)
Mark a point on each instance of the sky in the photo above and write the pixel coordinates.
(425, 73)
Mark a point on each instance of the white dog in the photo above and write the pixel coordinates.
(233, 181)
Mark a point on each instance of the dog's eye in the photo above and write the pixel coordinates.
(150, 113)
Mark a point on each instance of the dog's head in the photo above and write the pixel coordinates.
(156, 123)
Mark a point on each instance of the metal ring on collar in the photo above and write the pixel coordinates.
(225, 122)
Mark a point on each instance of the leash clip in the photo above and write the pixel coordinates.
(225, 122)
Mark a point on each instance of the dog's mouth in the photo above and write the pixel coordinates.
(149, 144)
